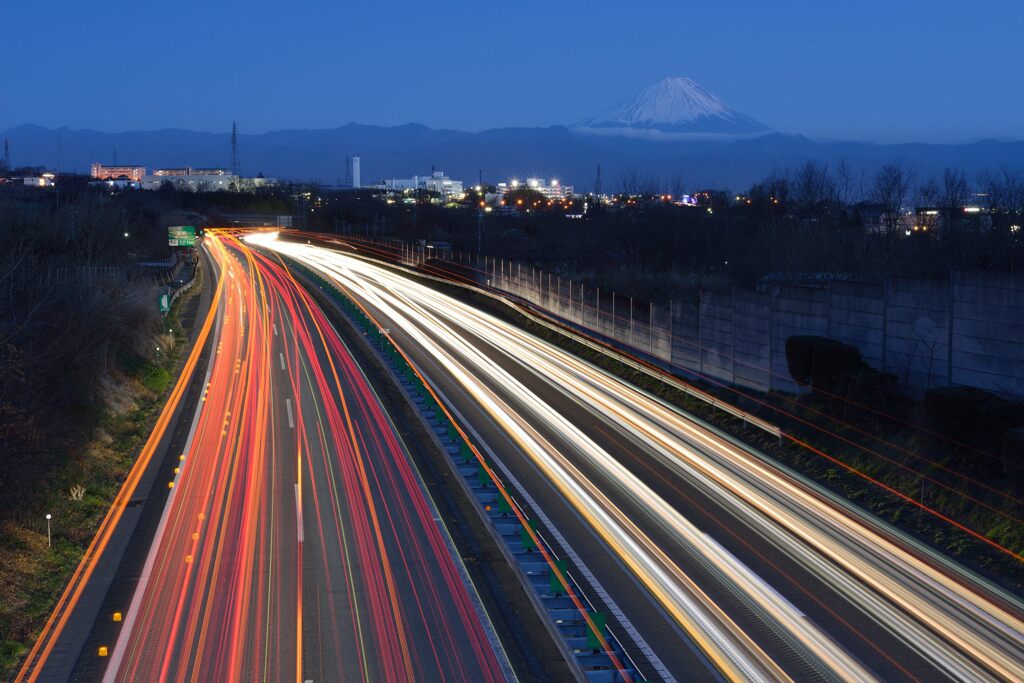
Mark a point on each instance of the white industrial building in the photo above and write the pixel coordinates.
(190, 179)
(551, 189)
(435, 182)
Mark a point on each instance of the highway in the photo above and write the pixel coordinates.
(721, 562)
(297, 541)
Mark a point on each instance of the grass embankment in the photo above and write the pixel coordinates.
(32, 575)
(998, 566)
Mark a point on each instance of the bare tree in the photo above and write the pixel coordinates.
(1005, 190)
(779, 186)
(847, 188)
(892, 183)
(954, 192)
(814, 188)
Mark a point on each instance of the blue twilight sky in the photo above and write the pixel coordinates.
(883, 70)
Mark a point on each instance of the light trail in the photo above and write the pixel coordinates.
(962, 626)
(36, 661)
(298, 541)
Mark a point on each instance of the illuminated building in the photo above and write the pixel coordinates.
(553, 189)
(436, 182)
(101, 172)
(187, 171)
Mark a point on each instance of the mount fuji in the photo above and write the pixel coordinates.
(675, 105)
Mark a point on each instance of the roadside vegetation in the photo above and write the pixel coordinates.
(86, 361)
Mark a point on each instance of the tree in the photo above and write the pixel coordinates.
(1005, 190)
(525, 198)
(954, 193)
(890, 189)
(848, 189)
(814, 190)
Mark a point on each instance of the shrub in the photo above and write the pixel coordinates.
(972, 416)
(820, 362)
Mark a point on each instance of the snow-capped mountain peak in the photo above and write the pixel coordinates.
(677, 105)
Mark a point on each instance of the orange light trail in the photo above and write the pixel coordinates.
(297, 542)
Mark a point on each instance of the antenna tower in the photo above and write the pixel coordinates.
(234, 148)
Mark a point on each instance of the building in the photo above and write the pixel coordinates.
(192, 182)
(355, 180)
(957, 219)
(257, 183)
(553, 189)
(187, 171)
(44, 180)
(190, 179)
(101, 172)
(435, 182)
(117, 184)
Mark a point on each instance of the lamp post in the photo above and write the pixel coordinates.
(49, 538)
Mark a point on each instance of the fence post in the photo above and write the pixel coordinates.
(632, 332)
(614, 319)
(650, 330)
(700, 330)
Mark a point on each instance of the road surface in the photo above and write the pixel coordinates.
(694, 538)
(297, 541)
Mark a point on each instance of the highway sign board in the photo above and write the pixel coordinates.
(165, 302)
(181, 236)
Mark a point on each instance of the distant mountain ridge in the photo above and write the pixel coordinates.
(676, 105)
(655, 136)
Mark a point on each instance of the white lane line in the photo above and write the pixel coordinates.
(281, 356)
(298, 514)
(574, 559)
(275, 328)
(288, 405)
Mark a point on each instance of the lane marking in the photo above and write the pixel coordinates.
(611, 607)
(288, 405)
(281, 356)
(275, 328)
(298, 514)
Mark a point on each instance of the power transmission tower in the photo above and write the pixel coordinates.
(7, 154)
(234, 148)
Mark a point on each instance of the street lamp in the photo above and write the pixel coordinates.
(49, 538)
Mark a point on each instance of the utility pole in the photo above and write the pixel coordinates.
(479, 230)
(234, 148)
(235, 167)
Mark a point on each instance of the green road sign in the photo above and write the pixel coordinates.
(181, 236)
(165, 302)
